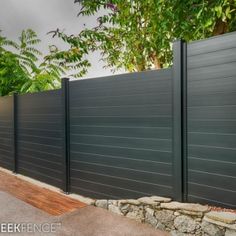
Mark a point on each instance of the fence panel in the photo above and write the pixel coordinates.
(39, 136)
(121, 135)
(6, 133)
(212, 121)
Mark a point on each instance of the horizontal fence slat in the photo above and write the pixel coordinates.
(207, 178)
(212, 153)
(213, 112)
(212, 126)
(212, 58)
(152, 155)
(204, 194)
(127, 99)
(153, 144)
(136, 132)
(153, 110)
(142, 164)
(217, 140)
(212, 44)
(216, 99)
(211, 166)
(124, 121)
(37, 174)
(142, 176)
(116, 185)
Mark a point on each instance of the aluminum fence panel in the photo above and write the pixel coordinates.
(121, 135)
(211, 109)
(6, 133)
(39, 136)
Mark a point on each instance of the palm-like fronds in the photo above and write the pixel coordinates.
(27, 51)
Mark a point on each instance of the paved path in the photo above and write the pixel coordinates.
(87, 221)
(47, 200)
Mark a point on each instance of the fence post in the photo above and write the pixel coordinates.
(15, 165)
(66, 135)
(180, 120)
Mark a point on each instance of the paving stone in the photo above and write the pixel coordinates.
(149, 201)
(191, 213)
(225, 217)
(160, 199)
(216, 222)
(129, 201)
(185, 206)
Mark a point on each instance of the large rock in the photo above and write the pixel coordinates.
(160, 199)
(225, 217)
(136, 213)
(102, 204)
(129, 201)
(149, 201)
(166, 217)
(191, 213)
(149, 217)
(185, 206)
(185, 224)
(219, 223)
(211, 229)
(124, 208)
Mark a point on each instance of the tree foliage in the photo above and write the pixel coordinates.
(12, 75)
(136, 35)
(24, 69)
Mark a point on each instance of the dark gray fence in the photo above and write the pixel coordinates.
(39, 136)
(121, 135)
(212, 120)
(7, 133)
(170, 132)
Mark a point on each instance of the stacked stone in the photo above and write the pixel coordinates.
(180, 219)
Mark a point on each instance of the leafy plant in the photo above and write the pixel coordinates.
(12, 75)
(23, 69)
(136, 35)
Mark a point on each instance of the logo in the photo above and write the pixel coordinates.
(29, 227)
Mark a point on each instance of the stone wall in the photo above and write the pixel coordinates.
(179, 219)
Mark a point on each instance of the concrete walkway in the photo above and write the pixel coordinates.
(87, 221)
